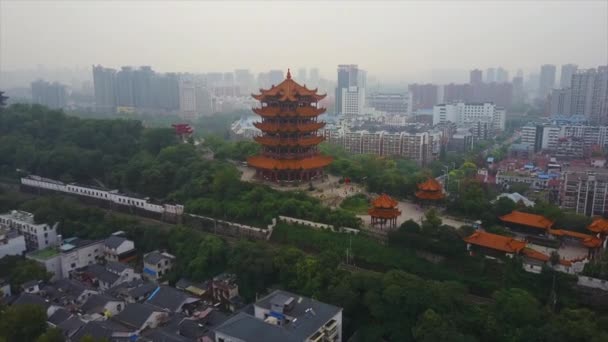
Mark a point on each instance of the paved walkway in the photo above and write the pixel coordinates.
(332, 193)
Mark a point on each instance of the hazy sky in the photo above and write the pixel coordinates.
(391, 38)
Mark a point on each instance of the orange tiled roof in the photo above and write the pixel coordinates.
(599, 225)
(280, 127)
(494, 241)
(430, 184)
(384, 213)
(587, 240)
(430, 195)
(289, 164)
(270, 112)
(526, 219)
(288, 90)
(272, 141)
(534, 254)
(384, 201)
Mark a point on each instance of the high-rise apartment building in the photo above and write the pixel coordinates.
(491, 75)
(546, 81)
(244, 80)
(313, 78)
(566, 75)
(559, 102)
(502, 75)
(275, 77)
(52, 95)
(476, 76)
(302, 76)
(590, 94)
(104, 81)
(125, 87)
(142, 87)
(350, 80)
(424, 96)
(584, 191)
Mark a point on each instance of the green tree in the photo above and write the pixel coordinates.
(22, 323)
(51, 335)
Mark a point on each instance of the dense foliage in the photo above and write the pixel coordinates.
(123, 154)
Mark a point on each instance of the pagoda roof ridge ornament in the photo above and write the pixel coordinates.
(288, 74)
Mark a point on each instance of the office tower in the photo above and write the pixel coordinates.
(275, 76)
(353, 99)
(424, 96)
(104, 83)
(302, 76)
(502, 75)
(52, 95)
(559, 102)
(590, 94)
(566, 76)
(313, 77)
(490, 75)
(125, 87)
(263, 80)
(546, 81)
(476, 77)
(350, 80)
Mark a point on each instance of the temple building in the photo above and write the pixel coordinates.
(289, 138)
(493, 245)
(430, 191)
(526, 222)
(384, 212)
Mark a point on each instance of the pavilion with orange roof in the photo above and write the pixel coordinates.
(493, 244)
(384, 212)
(430, 191)
(599, 226)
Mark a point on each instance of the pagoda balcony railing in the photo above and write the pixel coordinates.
(307, 141)
(290, 155)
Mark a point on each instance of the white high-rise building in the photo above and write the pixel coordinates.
(470, 114)
(559, 101)
(353, 99)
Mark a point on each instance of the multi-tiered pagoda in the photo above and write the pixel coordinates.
(289, 137)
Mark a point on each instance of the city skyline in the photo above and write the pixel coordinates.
(194, 43)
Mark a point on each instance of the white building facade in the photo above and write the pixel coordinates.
(37, 236)
(470, 114)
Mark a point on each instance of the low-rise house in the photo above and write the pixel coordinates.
(37, 236)
(102, 305)
(283, 316)
(68, 292)
(106, 276)
(170, 299)
(120, 249)
(225, 290)
(32, 286)
(157, 264)
(133, 291)
(5, 289)
(74, 253)
(139, 316)
(59, 316)
(107, 330)
(70, 326)
(195, 288)
(11, 242)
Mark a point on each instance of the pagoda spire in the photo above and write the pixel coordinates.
(288, 74)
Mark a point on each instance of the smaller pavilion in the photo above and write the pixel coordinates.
(384, 212)
(430, 191)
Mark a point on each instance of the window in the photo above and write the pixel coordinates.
(72, 265)
(166, 262)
